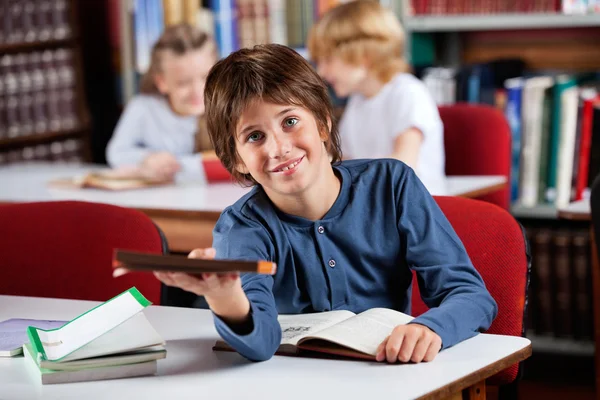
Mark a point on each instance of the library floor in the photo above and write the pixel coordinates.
(554, 377)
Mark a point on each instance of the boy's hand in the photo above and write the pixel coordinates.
(161, 165)
(412, 342)
(223, 292)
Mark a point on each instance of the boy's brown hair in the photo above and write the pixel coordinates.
(361, 32)
(271, 73)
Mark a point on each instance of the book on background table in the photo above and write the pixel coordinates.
(136, 261)
(114, 180)
(13, 334)
(101, 342)
(340, 333)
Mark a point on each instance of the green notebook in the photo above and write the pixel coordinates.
(112, 334)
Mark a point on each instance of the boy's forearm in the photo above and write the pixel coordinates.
(233, 308)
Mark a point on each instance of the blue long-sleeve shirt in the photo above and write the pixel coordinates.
(360, 255)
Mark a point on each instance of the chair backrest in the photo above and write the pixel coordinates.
(64, 249)
(477, 141)
(497, 246)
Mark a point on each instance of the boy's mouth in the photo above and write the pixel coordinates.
(287, 166)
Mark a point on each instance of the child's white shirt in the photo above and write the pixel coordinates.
(370, 126)
(148, 125)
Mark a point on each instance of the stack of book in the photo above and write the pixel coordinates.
(113, 340)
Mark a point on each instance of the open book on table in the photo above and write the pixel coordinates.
(338, 333)
(111, 179)
(112, 340)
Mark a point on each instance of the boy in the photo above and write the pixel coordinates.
(358, 47)
(345, 235)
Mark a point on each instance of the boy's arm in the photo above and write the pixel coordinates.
(257, 338)
(124, 148)
(460, 305)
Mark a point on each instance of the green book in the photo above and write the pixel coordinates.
(563, 82)
(111, 334)
(49, 376)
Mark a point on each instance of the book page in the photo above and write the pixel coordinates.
(82, 330)
(366, 331)
(295, 327)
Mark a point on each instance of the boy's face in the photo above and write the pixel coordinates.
(182, 79)
(343, 77)
(280, 146)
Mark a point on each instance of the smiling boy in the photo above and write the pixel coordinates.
(345, 235)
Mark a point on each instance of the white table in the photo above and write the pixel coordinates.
(193, 370)
(186, 212)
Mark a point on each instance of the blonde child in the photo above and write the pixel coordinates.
(358, 48)
(345, 235)
(157, 131)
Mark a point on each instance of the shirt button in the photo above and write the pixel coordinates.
(332, 263)
(320, 229)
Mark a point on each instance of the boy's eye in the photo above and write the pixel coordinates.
(290, 122)
(254, 136)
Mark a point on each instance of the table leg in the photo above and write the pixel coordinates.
(596, 307)
(474, 392)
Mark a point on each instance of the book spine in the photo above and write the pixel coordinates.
(542, 279)
(563, 323)
(582, 288)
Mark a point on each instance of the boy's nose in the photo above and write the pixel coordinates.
(279, 145)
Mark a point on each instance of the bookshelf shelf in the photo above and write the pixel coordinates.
(548, 344)
(38, 138)
(9, 48)
(537, 212)
(458, 23)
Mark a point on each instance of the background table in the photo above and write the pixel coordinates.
(193, 370)
(186, 212)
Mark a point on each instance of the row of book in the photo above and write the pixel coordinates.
(554, 120)
(26, 21)
(37, 93)
(71, 150)
(555, 124)
(560, 292)
(461, 7)
(234, 23)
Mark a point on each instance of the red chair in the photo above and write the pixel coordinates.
(477, 141)
(64, 249)
(497, 246)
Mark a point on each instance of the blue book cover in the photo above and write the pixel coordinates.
(226, 34)
(474, 85)
(140, 35)
(514, 91)
(155, 21)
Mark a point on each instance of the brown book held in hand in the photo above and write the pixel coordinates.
(134, 261)
(110, 180)
(337, 334)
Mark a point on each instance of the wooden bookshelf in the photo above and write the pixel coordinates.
(11, 48)
(41, 138)
(462, 23)
(42, 99)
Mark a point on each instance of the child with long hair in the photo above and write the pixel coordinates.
(158, 133)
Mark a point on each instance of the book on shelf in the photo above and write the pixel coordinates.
(338, 333)
(13, 334)
(115, 179)
(112, 340)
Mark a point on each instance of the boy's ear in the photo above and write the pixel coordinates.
(325, 134)
(160, 83)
